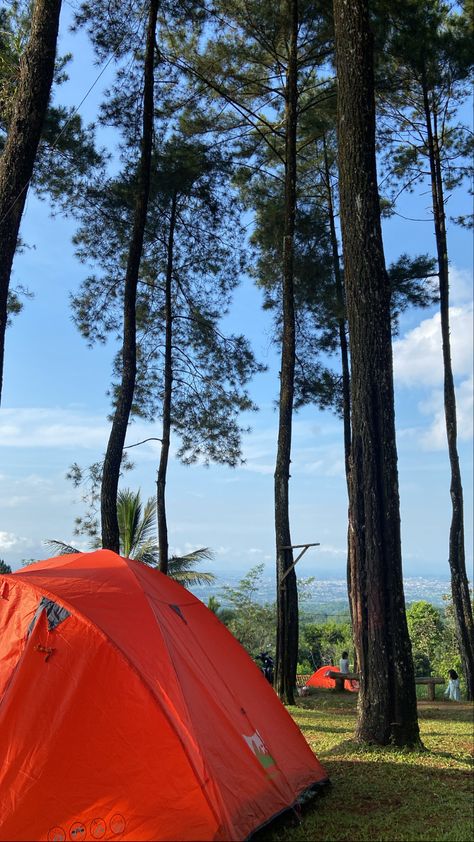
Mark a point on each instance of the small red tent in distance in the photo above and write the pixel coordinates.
(320, 679)
(128, 711)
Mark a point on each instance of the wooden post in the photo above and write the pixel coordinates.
(295, 547)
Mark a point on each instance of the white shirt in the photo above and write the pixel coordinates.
(452, 690)
(344, 664)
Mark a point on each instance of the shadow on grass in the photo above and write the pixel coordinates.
(404, 757)
(324, 698)
(315, 728)
(381, 800)
(328, 701)
(293, 818)
(453, 711)
(469, 760)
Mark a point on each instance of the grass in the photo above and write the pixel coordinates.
(385, 793)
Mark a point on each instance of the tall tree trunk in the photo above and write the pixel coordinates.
(287, 593)
(168, 385)
(341, 317)
(113, 456)
(346, 379)
(457, 561)
(387, 699)
(18, 157)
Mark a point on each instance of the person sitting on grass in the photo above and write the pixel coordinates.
(452, 690)
(344, 662)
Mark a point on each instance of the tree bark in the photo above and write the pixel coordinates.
(287, 594)
(113, 456)
(346, 380)
(341, 318)
(457, 561)
(387, 698)
(167, 394)
(19, 154)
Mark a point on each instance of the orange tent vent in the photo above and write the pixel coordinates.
(128, 711)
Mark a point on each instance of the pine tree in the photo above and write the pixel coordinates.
(19, 153)
(265, 60)
(66, 153)
(387, 700)
(190, 374)
(320, 312)
(428, 60)
(124, 400)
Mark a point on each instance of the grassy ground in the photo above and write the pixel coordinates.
(385, 794)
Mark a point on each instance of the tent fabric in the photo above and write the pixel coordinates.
(320, 679)
(128, 711)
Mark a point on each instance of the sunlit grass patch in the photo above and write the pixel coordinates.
(385, 793)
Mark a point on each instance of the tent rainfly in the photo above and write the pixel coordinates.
(128, 711)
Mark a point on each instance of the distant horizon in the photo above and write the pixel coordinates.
(328, 591)
(238, 572)
(328, 586)
(324, 575)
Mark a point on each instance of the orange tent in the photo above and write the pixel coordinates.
(128, 711)
(320, 679)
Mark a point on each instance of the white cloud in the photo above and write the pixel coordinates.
(316, 449)
(418, 356)
(222, 550)
(259, 450)
(418, 363)
(9, 541)
(460, 286)
(13, 501)
(191, 548)
(17, 492)
(257, 468)
(435, 437)
(337, 469)
(42, 428)
(311, 467)
(37, 482)
(59, 428)
(329, 549)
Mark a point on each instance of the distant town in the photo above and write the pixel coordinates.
(324, 592)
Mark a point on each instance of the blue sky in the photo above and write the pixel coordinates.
(55, 410)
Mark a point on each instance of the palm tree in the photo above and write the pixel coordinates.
(137, 528)
(181, 568)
